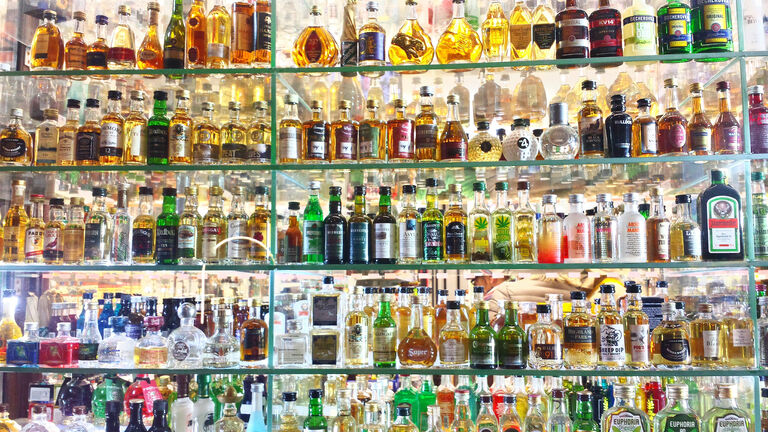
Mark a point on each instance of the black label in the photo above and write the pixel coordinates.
(87, 145)
(511, 354)
(359, 250)
(433, 240)
(172, 63)
(167, 246)
(426, 136)
(349, 53)
(96, 58)
(691, 243)
(94, 232)
(544, 35)
(334, 242)
(579, 335)
(157, 141)
(142, 241)
(592, 134)
(456, 239)
(262, 32)
(619, 134)
(324, 349)
(110, 151)
(652, 308)
(523, 143)
(254, 344)
(13, 147)
(233, 151)
(675, 350)
(87, 351)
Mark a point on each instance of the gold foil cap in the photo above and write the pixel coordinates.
(670, 82)
(345, 104)
(726, 391)
(19, 182)
(155, 6)
(124, 10)
(315, 10)
(399, 103)
(137, 95)
(79, 15)
(190, 191)
(694, 88)
(215, 191)
(316, 104)
(238, 190)
(452, 99)
(50, 113)
(183, 94)
(260, 105)
(677, 391)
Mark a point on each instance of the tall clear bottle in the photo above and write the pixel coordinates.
(525, 248)
(190, 238)
(576, 230)
(53, 241)
(98, 230)
(632, 231)
(550, 232)
(636, 330)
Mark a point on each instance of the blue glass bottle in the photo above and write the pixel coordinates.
(87, 297)
(256, 421)
(25, 350)
(106, 312)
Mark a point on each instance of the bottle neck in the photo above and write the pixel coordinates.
(544, 317)
(384, 204)
(315, 408)
(523, 198)
(191, 203)
(584, 410)
(92, 115)
(291, 111)
(684, 210)
(416, 315)
(78, 31)
(237, 204)
(501, 199)
(334, 204)
(479, 199)
(453, 316)
(214, 203)
(409, 201)
(101, 32)
(159, 108)
(182, 105)
(455, 199)
(607, 301)
(431, 197)
(113, 106)
(360, 204)
(577, 208)
(724, 101)
(510, 316)
(671, 94)
(756, 100)
(453, 109)
(234, 115)
(697, 103)
(153, 19)
(634, 301)
(458, 10)
(145, 205)
(384, 310)
(169, 204)
(482, 317)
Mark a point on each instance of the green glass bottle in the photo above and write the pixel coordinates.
(583, 419)
(432, 226)
(315, 421)
(166, 244)
(482, 340)
(759, 216)
(501, 226)
(335, 230)
(175, 38)
(427, 397)
(312, 234)
(677, 416)
(385, 334)
(675, 29)
(725, 414)
(511, 340)
(360, 231)
(407, 396)
(385, 230)
(712, 27)
(157, 131)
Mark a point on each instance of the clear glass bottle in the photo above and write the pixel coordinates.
(670, 341)
(409, 227)
(229, 422)
(185, 344)
(576, 228)
(559, 420)
(484, 146)
(677, 415)
(545, 338)
(479, 227)
(152, 350)
(636, 330)
(501, 226)
(221, 350)
(645, 131)
(15, 142)
(143, 233)
(590, 122)
(117, 350)
(550, 232)
(525, 225)
(624, 416)
(122, 52)
(632, 231)
(292, 346)
(657, 228)
(740, 335)
(535, 419)
(39, 420)
(461, 415)
(120, 253)
(237, 226)
(560, 141)
(98, 230)
(707, 338)
(455, 220)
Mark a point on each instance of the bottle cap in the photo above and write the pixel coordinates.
(114, 95)
(234, 106)
(631, 197)
(159, 405)
(758, 176)
(92, 103)
(385, 190)
(442, 292)
(409, 189)
(101, 19)
(618, 99)
(510, 399)
(291, 99)
(717, 176)
(359, 190)
(398, 103)
(138, 95)
(584, 396)
(662, 284)
(682, 199)
(169, 191)
(454, 188)
(344, 104)
(314, 185)
(643, 103)
(726, 391)
(558, 113)
(667, 307)
(334, 190)
(521, 122)
(704, 307)
(558, 393)
(479, 289)
(452, 99)
(289, 396)
(403, 411)
(486, 399)
(523, 185)
(145, 190)
(755, 89)
(624, 391)
(588, 85)
(723, 86)
(183, 95)
(575, 198)
(549, 199)
(153, 6)
(431, 182)
(371, 104)
(607, 289)
(426, 91)
(695, 88)
(315, 393)
(160, 95)
(260, 105)
(478, 186)
(73, 103)
(98, 192)
(293, 205)
(634, 289)
(483, 125)
(670, 83)
(543, 308)
(260, 190)
(578, 295)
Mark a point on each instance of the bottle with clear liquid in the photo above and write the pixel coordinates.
(624, 416)
(605, 232)
(486, 419)
(545, 349)
(632, 231)
(185, 344)
(576, 228)
(560, 141)
(479, 227)
(534, 420)
(461, 415)
(524, 245)
(550, 232)
(559, 420)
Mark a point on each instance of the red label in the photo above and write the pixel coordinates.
(724, 223)
(121, 54)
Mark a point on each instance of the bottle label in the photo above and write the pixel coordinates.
(649, 143)
(543, 36)
(701, 140)
(211, 234)
(691, 242)
(723, 225)
(358, 242)
(384, 343)
(426, 136)
(76, 57)
(730, 423)
(242, 35)
(677, 22)
(96, 59)
(66, 151)
(711, 343)
(573, 33)
(591, 132)
(254, 344)
(577, 239)
(638, 342)
(47, 140)
(612, 343)
(313, 238)
(730, 138)
(454, 149)
(511, 354)
(662, 241)
(626, 421)
(218, 50)
(180, 140)
(313, 48)
(180, 350)
(316, 141)
(261, 233)
(456, 239)
(334, 242)
(263, 31)
(369, 141)
(520, 36)
(142, 240)
(111, 142)
(453, 351)
(166, 248)
(741, 337)
(605, 32)
(681, 423)
(579, 337)
(372, 46)
(481, 352)
(640, 33)
(187, 238)
(87, 351)
(674, 137)
(238, 249)
(349, 53)
(324, 349)
(134, 331)
(33, 245)
(619, 135)
(157, 141)
(52, 248)
(356, 345)
(758, 131)
(715, 22)
(95, 240)
(675, 350)
(383, 241)
(22, 353)
(409, 238)
(173, 57)
(87, 146)
(634, 242)
(121, 54)
(433, 240)
(289, 138)
(346, 141)
(760, 228)
(548, 351)
(138, 140)
(402, 140)
(291, 351)
(604, 238)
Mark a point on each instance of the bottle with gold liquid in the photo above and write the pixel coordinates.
(214, 228)
(524, 216)
(47, 138)
(344, 136)
(543, 40)
(89, 135)
(636, 330)
(260, 135)
(521, 32)
(233, 141)
(73, 234)
(53, 248)
(372, 40)
(111, 143)
(47, 50)
(315, 47)
(15, 142)
(610, 330)
(74, 50)
(707, 339)
(685, 233)
(143, 232)
(455, 222)
(453, 141)
(316, 133)
(459, 43)
(373, 135)
(290, 132)
(427, 125)
(197, 37)
(150, 54)
(657, 228)
(122, 51)
(262, 34)
(495, 32)
(135, 131)
(740, 334)
(670, 340)
(96, 56)
(218, 36)
(205, 138)
(484, 146)
(242, 33)
(580, 341)
(15, 225)
(180, 131)
(411, 45)
(65, 153)
(417, 348)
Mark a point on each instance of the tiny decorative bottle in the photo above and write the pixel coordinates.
(677, 414)
(122, 54)
(455, 220)
(525, 248)
(670, 341)
(479, 227)
(174, 50)
(60, 351)
(685, 234)
(47, 138)
(543, 45)
(24, 351)
(618, 129)
(640, 29)
(484, 146)
(315, 47)
(605, 231)
(726, 134)
(135, 131)
(707, 339)
(453, 141)
(758, 120)
(384, 335)
(237, 226)
(501, 226)
(96, 56)
(411, 45)
(632, 232)
(317, 136)
(35, 232)
(712, 28)
(260, 135)
(409, 227)
(400, 135)
(576, 230)
(47, 48)
(180, 131)
(157, 131)
(372, 135)
(496, 33)
(343, 136)
(233, 136)
(459, 43)
(462, 413)
(520, 145)
(579, 336)
(675, 36)
(545, 350)
(150, 54)
(644, 131)
(482, 341)
(254, 336)
(560, 141)
(590, 122)
(572, 33)
(372, 40)
(550, 232)
(290, 132)
(759, 215)
(229, 422)
(725, 414)
(121, 229)
(152, 350)
(15, 225)
(197, 35)
(610, 327)
(672, 125)
(657, 228)
(75, 48)
(315, 421)
(15, 142)
(719, 211)
(185, 344)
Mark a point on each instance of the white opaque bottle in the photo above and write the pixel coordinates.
(632, 234)
(520, 144)
(560, 141)
(577, 232)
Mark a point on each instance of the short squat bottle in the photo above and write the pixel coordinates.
(520, 145)
(685, 234)
(618, 129)
(560, 141)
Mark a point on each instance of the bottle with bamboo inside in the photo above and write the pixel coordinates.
(459, 43)
(196, 33)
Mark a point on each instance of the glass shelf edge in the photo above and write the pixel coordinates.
(382, 165)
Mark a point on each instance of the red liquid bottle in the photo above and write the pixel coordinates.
(60, 351)
(726, 136)
(758, 120)
(498, 391)
(572, 34)
(654, 397)
(605, 33)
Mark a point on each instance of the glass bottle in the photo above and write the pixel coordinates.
(759, 215)
(166, 251)
(758, 120)
(372, 40)
(572, 36)
(618, 129)
(453, 341)
(292, 347)
(636, 330)
(237, 226)
(61, 350)
(496, 33)
(544, 341)
(315, 421)
(560, 141)
(197, 30)
(740, 333)
(674, 32)
(624, 416)
(455, 221)
(152, 350)
(482, 341)
(385, 230)
(73, 233)
(417, 348)
(39, 420)
(461, 415)
(400, 135)
(289, 420)
(175, 38)
(292, 241)
(525, 226)
(725, 413)
(47, 48)
(426, 127)
(15, 142)
(610, 340)
(222, 350)
(122, 53)
(644, 131)
(640, 29)
(217, 26)
(520, 144)
(486, 418)
(712, 28)
(65, 152)
(343, 136)
(143, 233)
(135, 131)
(229, 422)
(75, 48)
(315, 47)
(670, 341)
(699, 128)
(550, 232)
(190, 229)
(349, 41)
(233, 136)
(719, 210)
(657, 228)
(259, 137)
(254, 336)
(501, 228)
(590, 122)
(344, 420)
(409, 227)
(180, 131)
(312, 233)
(372, 135)
(479, 229)
(88, 135)
(432, 226)
(360, 230)
(316, 133)
(214, 228)
(290, 132)
(23, 351)
(96, 55)
(707, 339)
(157, 131)
(534, 419)
(243, 26)
(35, 232)
(605, 33)
(726, 134)
(579, 336)
(543, 45)
(53, 246)
(576, 230)
(459, 43)
(185, 344)
(685, 234)
(762, 324)
(677, 414)
(453, 140)
(47, 138)
(15, 225)
(559, 420)
(384, 335)
(523, 37)
(356, 332)
(150, 54)
(632, 231)
(411, 45)
(206, 146)
(98, 230)
(511, 340)
(672, 124)
(484, 146)
(403, 421)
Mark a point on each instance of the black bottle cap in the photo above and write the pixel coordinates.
(73, 103)
(643, 103)
(328, 280)
(723, 85)
(537, 132)
(260, 190)
(543, 308)
(521, 122)
(160, 95)
(442, 292)
(102, 19)
(289, 396)
(160, 405)
(510, 399)
(315, 393)
(405, 411)
(114, 95)
(618, 99)
(584, 396)
(483, 125)
(644, 207)
(99, 192)
(114, 407)
(478, 289)
(501, 186)
(629, 282)
(764, 392)
(485, 399)
(578, 295)
(293, 205)
(409, 189)
(523, 185)
(431, 182)
(607, 289)
(501, 133)
(385, 190)
(453, 304)
(634, 289)
(478, 186)
(145, 190)
(56, 201)
(169, 191)
(405, 290)
(662, 284)
(359, 190)
(334, 190)
(91, 103)
(461, 292)
(138, 403)
(558, 113)
(682, 199)
(588, 85)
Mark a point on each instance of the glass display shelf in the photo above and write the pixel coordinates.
(21, 267)
(382, 165)
(391, 68)
(435, 370)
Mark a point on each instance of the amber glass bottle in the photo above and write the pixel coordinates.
(316, 135)
(672, 125)
(453, 141)
(196, 35)
(74, 50)
(400, 133)
(47, 50)
(699, 128)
